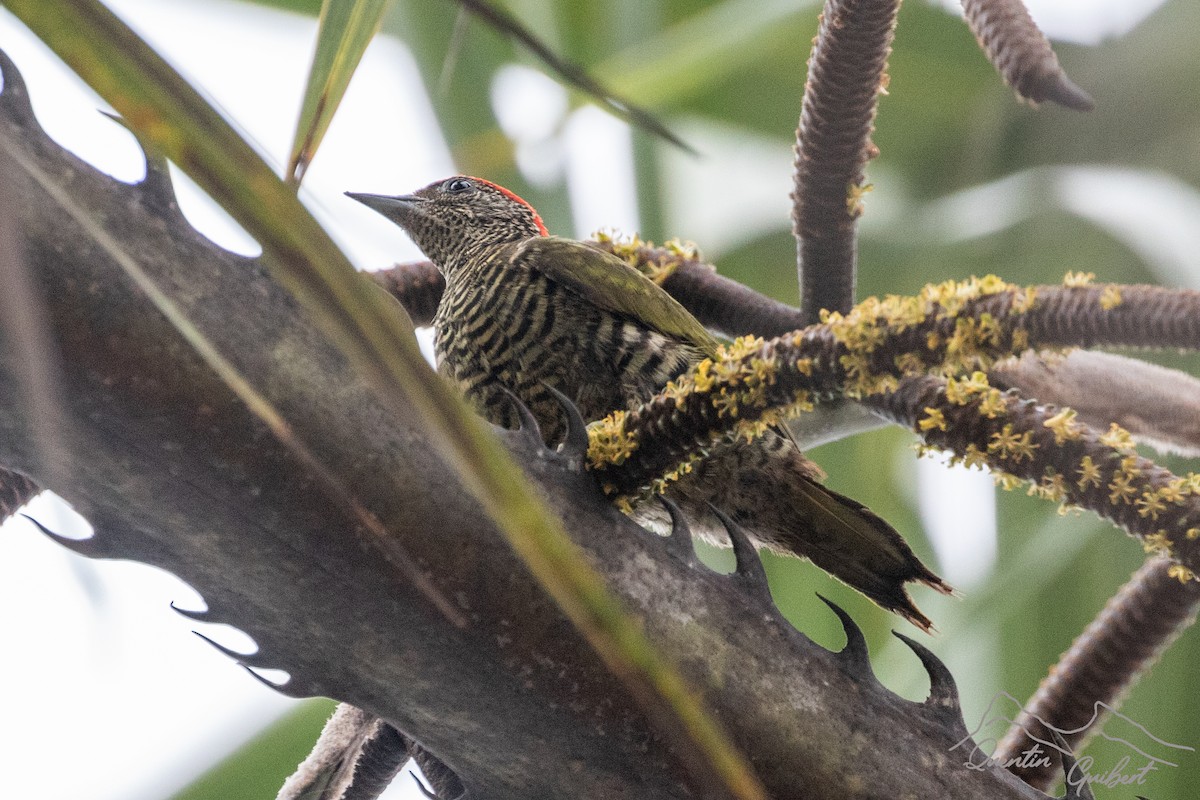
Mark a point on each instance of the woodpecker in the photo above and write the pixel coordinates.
(524, 310)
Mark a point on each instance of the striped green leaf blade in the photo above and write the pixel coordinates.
(347, 27)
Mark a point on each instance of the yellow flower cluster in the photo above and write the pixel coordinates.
(739, 373)
(934, 418)
(974, 457)
(634, 251)
(1151, 504)
(854, 198)
(1121, 490)
(1052, 487)
(742, 364)
(1024, 300)
(951, 296)
(738, 378)
(1157, 543)
(1078, 279)
(686, 251)
(974, 344)
(702, 380)
(623, 246)
(1118, 439)
(1089, 473)
(962, 391)
(1174, 493)
(1180, 573)
(1008, 444)
(660, 484)
(1110, 298)
(1064, 426)
(608, 441)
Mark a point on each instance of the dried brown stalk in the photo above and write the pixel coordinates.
(417, 285)
(1141, 620)
(357, 756)
(846, 73)
(1062, 459)
(1021, 53)
(1061, 316)
(1158, 406)
(1022, 441)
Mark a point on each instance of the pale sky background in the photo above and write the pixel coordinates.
(110, 694)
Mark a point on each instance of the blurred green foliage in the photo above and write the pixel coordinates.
(260, 767)
(947, 125)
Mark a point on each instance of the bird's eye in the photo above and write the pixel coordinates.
(458, 185)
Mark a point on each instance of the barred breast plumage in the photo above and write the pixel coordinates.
(502, 325)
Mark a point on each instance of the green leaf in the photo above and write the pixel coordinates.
(371, 330)
(347, 27)
(570, 72)
(696, 53)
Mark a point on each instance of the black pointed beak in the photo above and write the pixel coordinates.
(390, 207)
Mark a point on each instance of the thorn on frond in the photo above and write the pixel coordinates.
(245, 659)
(157, 187)
(421, 786)
(14, 98)
(679, 541)
(94, 546)
(1076, 790)
(575, 443)
(943, 693)
(527, 424)
(749, 567)
(194, 616)
(855, 656)
(289, 688)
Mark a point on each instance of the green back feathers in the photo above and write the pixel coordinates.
(608, 282)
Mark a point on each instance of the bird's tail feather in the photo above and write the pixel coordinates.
(770, 489)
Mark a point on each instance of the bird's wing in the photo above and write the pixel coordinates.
(606, 281)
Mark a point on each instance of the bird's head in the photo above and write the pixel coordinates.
(452, 218)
